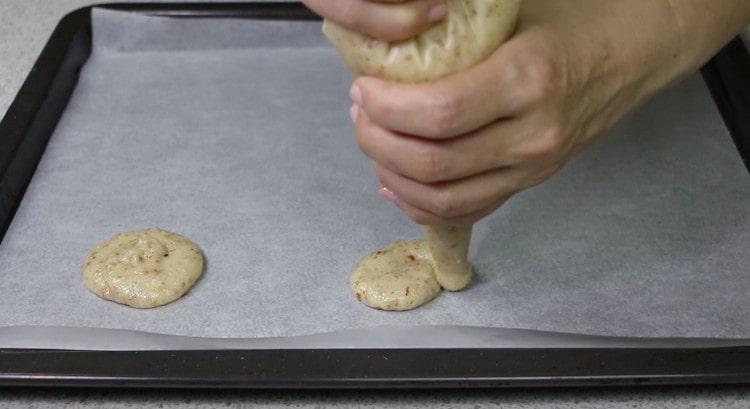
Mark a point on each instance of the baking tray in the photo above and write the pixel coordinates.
(31, 120)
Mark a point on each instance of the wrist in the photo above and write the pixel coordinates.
(635, 52)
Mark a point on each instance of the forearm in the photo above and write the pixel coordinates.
(670, 39)
(705, 26)
(624, 52)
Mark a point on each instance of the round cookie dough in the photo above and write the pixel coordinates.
(398, 278)
(143, 269)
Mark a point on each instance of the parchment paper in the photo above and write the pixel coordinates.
(235, 133)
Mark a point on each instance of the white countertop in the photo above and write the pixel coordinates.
(25, 26)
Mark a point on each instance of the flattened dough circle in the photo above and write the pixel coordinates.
(400, 277)
(144, 268)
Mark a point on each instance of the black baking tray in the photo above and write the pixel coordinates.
(30, 121)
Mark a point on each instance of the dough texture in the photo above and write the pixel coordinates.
(471, 31)
(400, 277)
(143, 269)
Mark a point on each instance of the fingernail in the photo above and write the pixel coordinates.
(386, 194)
(437, 13)
(356, 95)
(353, 113)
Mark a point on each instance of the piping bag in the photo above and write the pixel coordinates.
(470, 32)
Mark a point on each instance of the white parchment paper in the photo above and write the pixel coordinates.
(235, 133)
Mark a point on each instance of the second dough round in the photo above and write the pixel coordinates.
(400, 277)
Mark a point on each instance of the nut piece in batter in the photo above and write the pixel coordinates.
(400, 277)
(143, 269)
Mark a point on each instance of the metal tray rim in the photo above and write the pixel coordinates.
(32, 117)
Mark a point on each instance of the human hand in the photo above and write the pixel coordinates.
(388, 20)
(450, 152)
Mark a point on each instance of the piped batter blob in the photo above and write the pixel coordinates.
(399, 277)
(143, 269)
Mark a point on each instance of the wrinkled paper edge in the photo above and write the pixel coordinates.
(381, 337)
